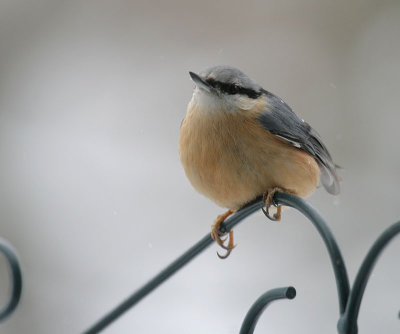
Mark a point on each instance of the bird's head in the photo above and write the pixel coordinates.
(224, 88)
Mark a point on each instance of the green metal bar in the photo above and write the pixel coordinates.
(252, 316)
(348, 322)
(339, 268)
(171, 269)
(16, 279)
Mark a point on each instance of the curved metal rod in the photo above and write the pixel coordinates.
(348, 322)
(232, 221)
(171, 269)
(16, 279)
(252, 316)
(339, 268)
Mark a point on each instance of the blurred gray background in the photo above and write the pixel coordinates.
(94, 198)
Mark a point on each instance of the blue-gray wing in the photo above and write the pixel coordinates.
(281, 121)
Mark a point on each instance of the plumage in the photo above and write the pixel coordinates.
(239, 141)
(280, 120)
(232, 159)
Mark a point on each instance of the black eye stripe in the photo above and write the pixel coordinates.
(233, 89)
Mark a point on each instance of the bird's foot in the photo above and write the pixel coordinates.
(216, 234)
(268, 199)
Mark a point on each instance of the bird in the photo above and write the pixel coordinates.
(239, 142)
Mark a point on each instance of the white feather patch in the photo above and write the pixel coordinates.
(210, 102)
(294, 143)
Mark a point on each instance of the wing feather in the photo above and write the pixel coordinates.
(280, 120)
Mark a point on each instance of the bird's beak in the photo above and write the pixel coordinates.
(200, 82)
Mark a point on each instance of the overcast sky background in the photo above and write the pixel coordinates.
(94, 198)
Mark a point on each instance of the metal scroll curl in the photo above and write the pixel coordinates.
(16, 279)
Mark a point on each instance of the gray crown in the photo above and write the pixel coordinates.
(230, 75)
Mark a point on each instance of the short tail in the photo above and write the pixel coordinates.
(330, 179)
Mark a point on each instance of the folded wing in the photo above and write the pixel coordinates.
(280, 120)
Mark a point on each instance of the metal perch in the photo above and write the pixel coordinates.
(279, 198)
(349, 300)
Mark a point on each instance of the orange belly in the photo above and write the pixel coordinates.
(232, 159)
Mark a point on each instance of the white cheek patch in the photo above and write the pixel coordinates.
(209, 102)
(241, 102)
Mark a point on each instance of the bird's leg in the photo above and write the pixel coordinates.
(216, 234)
(269, 201)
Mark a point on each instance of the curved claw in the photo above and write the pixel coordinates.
(266, 212)
(221, 242)
(228, 248)
(268, 199)
(224, 246)
(222, 257)
(216, 235)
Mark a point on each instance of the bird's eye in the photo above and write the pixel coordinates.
(211, 82)
(226, 88)
(234, 89)
(230, 89)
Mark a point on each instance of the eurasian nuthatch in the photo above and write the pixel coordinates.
(239, 141)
